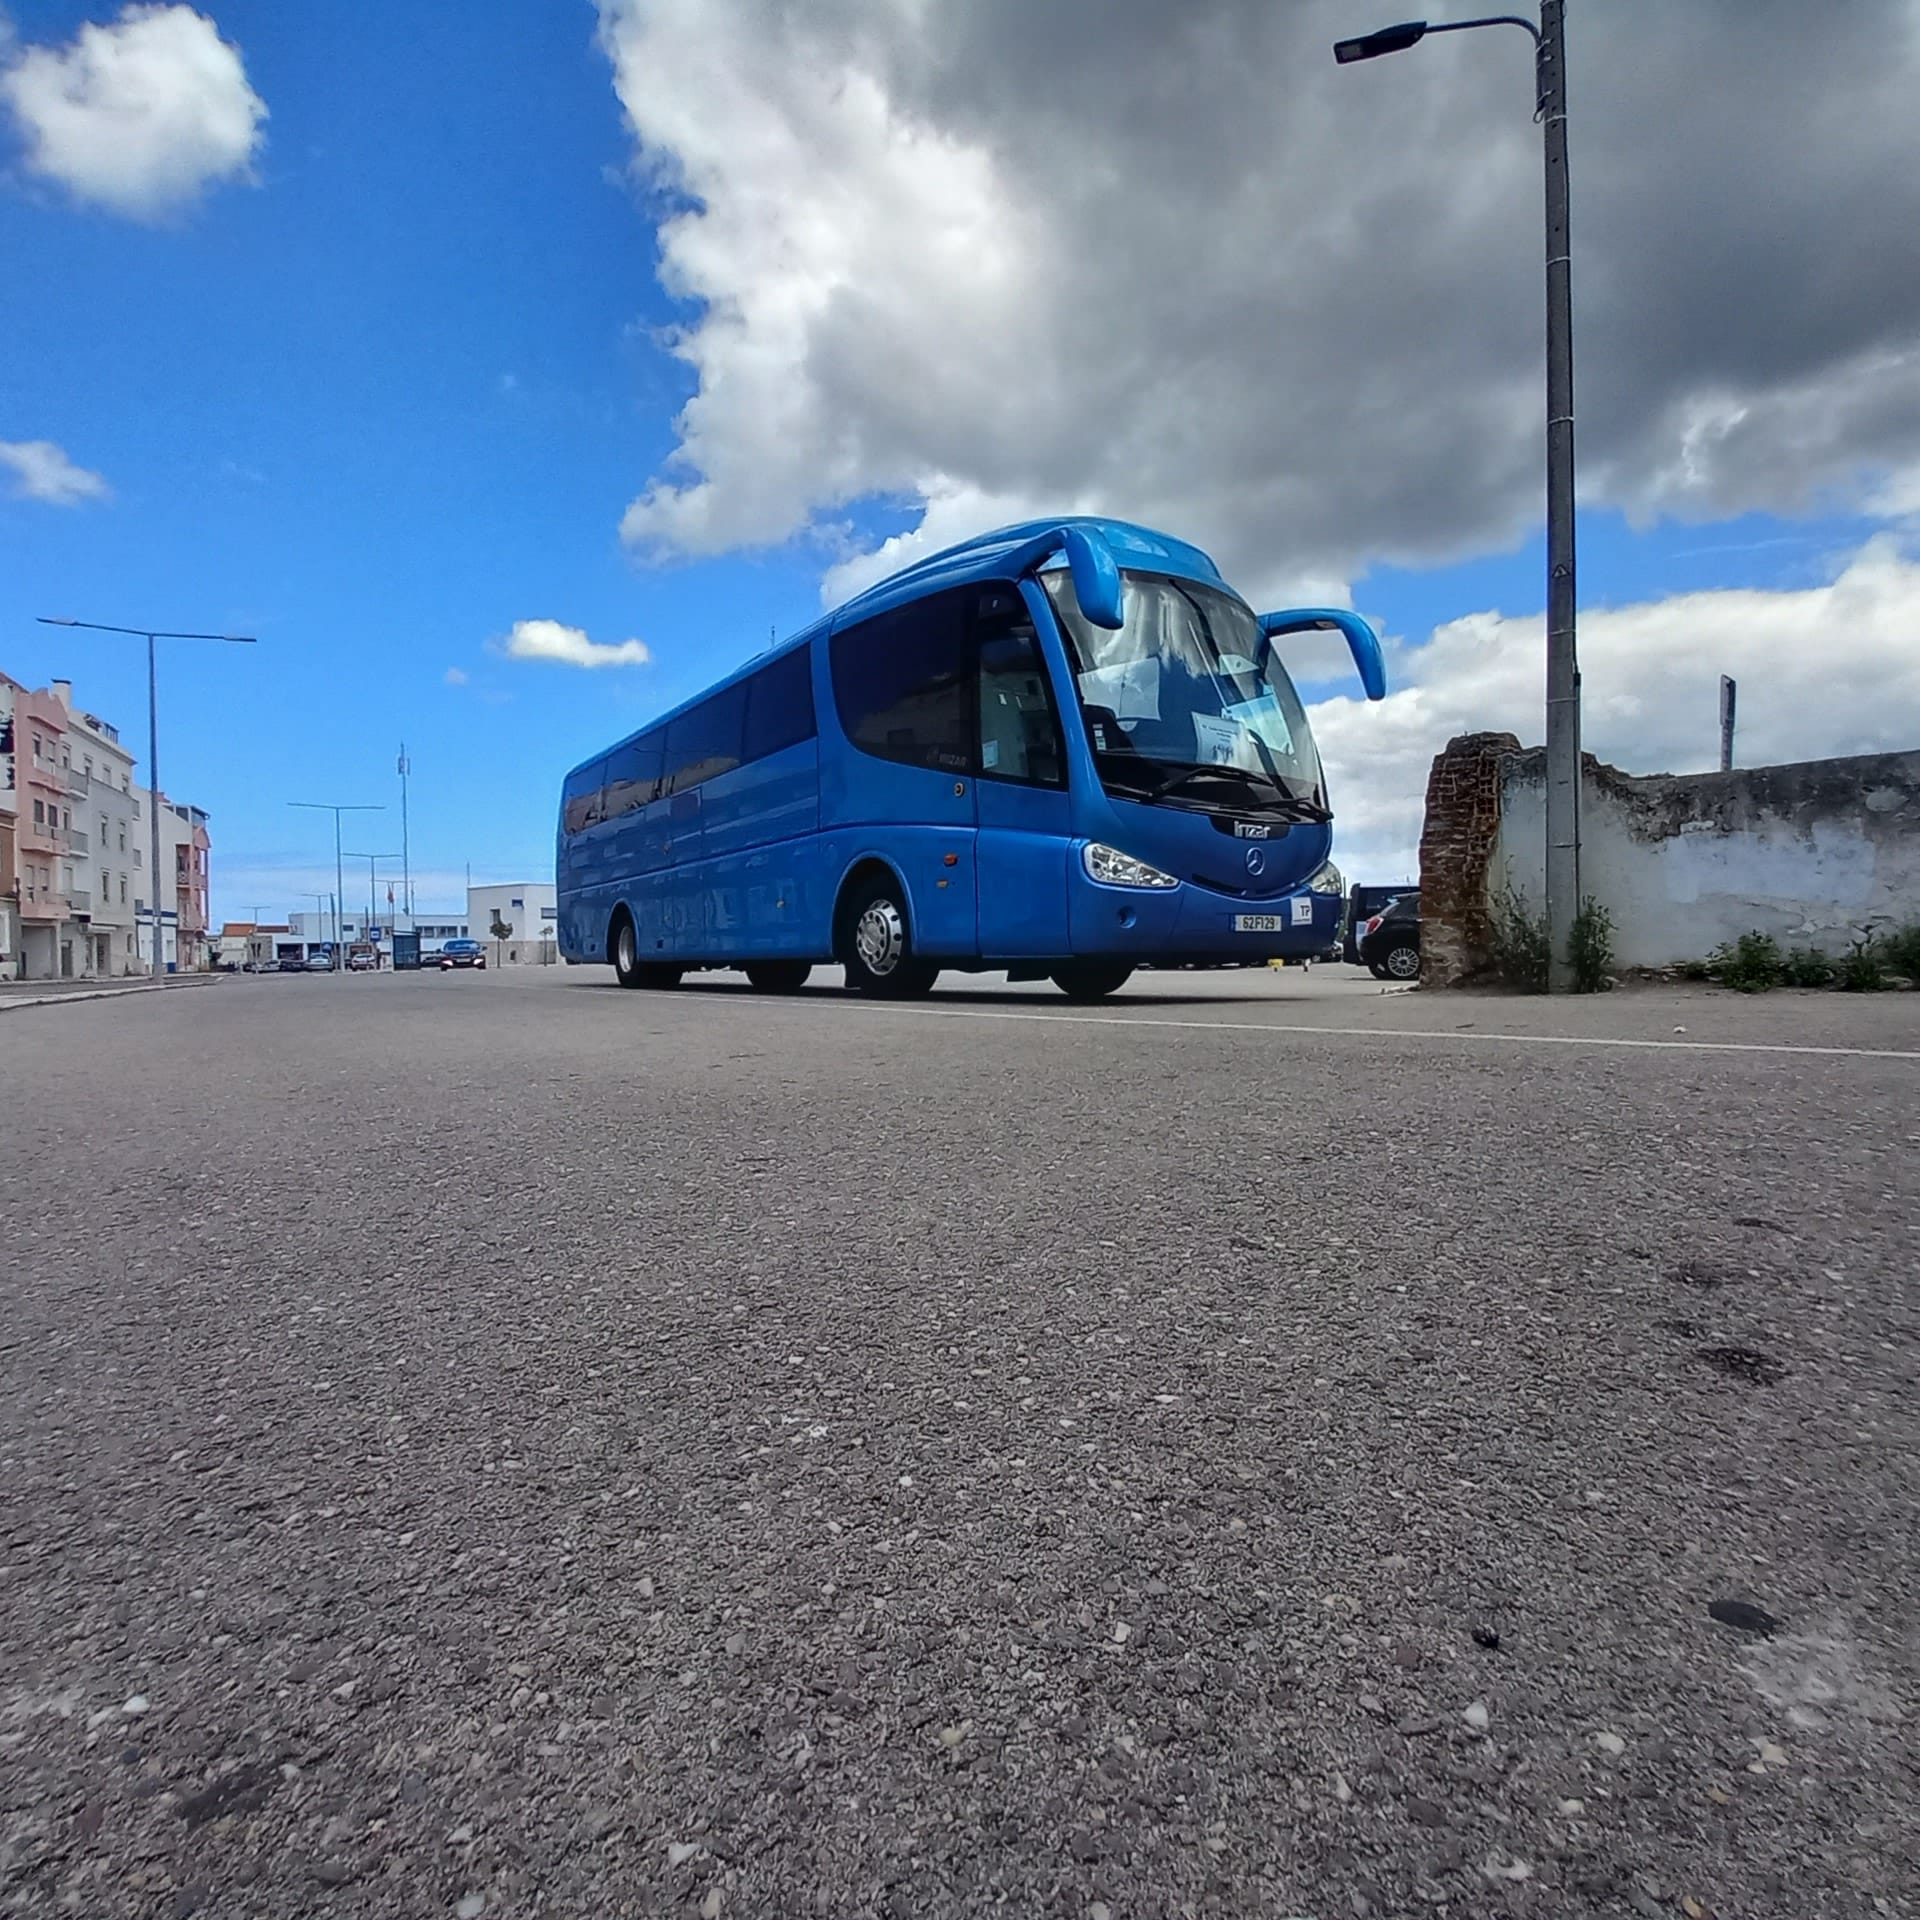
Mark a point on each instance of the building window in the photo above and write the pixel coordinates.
(123, 839)
(123, 889)
(39, 813)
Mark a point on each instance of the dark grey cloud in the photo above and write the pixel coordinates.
(1173, 261)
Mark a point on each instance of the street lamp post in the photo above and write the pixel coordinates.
(1563, 668)
(339, 879)
(406, 857)
(370, 858)
(153, 754)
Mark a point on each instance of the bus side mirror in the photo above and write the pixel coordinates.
(1096, 579)
(1362, 642)
(1096, 575)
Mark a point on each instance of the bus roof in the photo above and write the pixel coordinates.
(981, 558)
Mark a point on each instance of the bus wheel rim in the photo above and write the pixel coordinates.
(880, 939)
(626, 949)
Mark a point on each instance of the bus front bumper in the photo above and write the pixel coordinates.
(1190, 924)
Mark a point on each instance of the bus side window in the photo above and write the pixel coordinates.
(780, 705)
(899, 682)
(1019, 731)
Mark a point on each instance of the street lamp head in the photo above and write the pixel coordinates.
(1370, 46)
(57, 620)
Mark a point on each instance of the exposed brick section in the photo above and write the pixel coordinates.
(1456, 847)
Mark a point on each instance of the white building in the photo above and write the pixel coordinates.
(311, 929)
(526, 914)
(107, 858)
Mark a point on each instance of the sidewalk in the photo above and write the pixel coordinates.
(45, 993)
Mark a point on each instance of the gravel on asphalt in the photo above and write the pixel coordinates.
(473, 1448)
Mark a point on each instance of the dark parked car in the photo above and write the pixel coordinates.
(291, 963)
(1388, 942)
(463, 953)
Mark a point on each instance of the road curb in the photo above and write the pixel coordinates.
(11, 1005)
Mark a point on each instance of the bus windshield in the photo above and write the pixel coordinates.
(1188, 701)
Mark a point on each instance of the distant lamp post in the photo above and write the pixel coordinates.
(371, 859)
(153, 755)
(339, 882)
(1563, 671)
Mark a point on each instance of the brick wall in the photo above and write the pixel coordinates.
(1456, 848)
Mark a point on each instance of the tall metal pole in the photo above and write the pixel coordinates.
(339, 874)
(1728, 690)
(406, 862)
(1563, 667)
(153, 806)
(153, 748)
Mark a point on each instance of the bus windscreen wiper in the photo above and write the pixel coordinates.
(1270, 792)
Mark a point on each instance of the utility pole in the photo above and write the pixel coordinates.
(1563, 668)
(370, 858)
(339, 880)
(153, 759)
(1728, 688)
(406, 862)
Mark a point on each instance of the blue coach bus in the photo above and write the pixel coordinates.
(992, 760)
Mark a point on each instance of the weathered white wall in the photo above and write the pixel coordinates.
(1813, 854)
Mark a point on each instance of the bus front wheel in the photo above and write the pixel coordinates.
(1092, 979)
(876, 944)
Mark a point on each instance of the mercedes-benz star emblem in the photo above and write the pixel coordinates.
(1256, 860)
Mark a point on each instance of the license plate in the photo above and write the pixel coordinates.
(1258, 923)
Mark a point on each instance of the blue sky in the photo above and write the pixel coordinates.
(388, 388)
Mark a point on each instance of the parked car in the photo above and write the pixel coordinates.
(291, 963)
(463, 953)
(321, 962)
(361, 962)
(1389, 941)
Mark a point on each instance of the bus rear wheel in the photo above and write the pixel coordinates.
(876, 944)
(1092, 979)
(777, 976)
(626, 953)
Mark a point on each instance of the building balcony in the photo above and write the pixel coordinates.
(74, 840)
(74, 780)
(79, 902)
(40, 908)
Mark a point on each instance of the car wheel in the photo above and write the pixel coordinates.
(877, 944)
(1092, 979)
(778, 976)
(1402, 962)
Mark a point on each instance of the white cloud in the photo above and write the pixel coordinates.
(549, 640)
(1829, 669)
(1178, 266)
(456, 676)
(42, 471)
(139, 117)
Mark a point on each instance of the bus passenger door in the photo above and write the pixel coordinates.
(1025, 823)
(903, 788)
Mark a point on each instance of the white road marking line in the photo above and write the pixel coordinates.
(1367, 1033)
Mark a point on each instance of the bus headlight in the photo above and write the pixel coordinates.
(1112, 868)
(1328, 879)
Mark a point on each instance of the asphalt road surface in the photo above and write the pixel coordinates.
(498, 1445)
